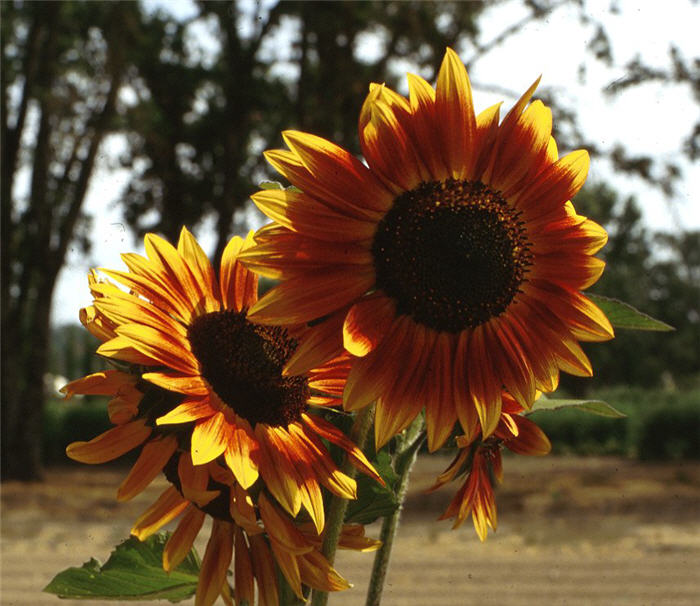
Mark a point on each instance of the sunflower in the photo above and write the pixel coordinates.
(220, 376)
(450, 265)
(480, 460)
(200, 389)
(259, 539)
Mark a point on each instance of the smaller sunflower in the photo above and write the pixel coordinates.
(481, 461)
(200, 389)
(222, 392)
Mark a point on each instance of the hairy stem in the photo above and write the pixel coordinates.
(338, 505)
(403, 462)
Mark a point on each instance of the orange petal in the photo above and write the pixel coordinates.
(289, 567)
(336, 170)
(440, 412)
(189, 410)
(484, 383)
(386, 145)
(423, 123)
(301, 213)
(402, 402)
(264, 569)
(367, 323)
(193, 385)
(521, 147)
(454, 107)
(531, 440)
(159, 346)
(282, 529)
(180, 542)
(308, 297)
(111, 444)
(334, 435)
(244, 587)
(464, 405)
(154, 455)
(372, 375)
(276, 468)
(316, 572)
(215, 563)
(239, 286)
(555, 185)
(289, 255)
(201, 269)
(120, 348)
(103, 383)
(320, 342)
(169, 505)
(242, 454)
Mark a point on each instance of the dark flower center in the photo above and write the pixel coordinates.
(243, 364)
(452, 254)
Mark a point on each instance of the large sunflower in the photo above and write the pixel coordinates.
(450, 265)
(213, 379)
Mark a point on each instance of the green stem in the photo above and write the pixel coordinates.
(403, 462)
(338, 505)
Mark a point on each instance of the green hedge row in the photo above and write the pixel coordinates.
(660, 425)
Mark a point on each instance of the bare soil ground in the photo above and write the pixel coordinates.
(592, 531)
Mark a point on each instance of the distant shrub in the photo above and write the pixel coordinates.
(66, 422)
(660, 425)
(671, 433)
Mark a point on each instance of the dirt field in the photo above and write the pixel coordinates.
(572, 532)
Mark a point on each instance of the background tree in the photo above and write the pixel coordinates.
(61, 72)
(198, 100)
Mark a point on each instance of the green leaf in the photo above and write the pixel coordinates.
(277, 185)
(270, 185)
(134, 571)
(623, 315)
(596, 407)
(374, 500)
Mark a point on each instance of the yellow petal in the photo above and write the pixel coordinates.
(209, 439)
(111, 444)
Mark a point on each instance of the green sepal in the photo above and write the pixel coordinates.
(374, 500)
(623, 315)
(134, 571)
(596, 407)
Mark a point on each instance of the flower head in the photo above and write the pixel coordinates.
(200, 389)
(480, 461)
(450, 265)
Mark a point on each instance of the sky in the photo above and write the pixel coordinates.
(650, 119)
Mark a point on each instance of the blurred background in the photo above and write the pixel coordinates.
(121, 118)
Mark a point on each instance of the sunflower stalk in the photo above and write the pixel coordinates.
(338, 505)
(405, 457)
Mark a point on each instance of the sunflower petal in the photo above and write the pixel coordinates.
(111, 444)
(215, 563)
(209, 439)
(367, 323)
(154, 455)
(180, 542)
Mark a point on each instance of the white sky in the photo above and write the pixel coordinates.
(649, 119)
